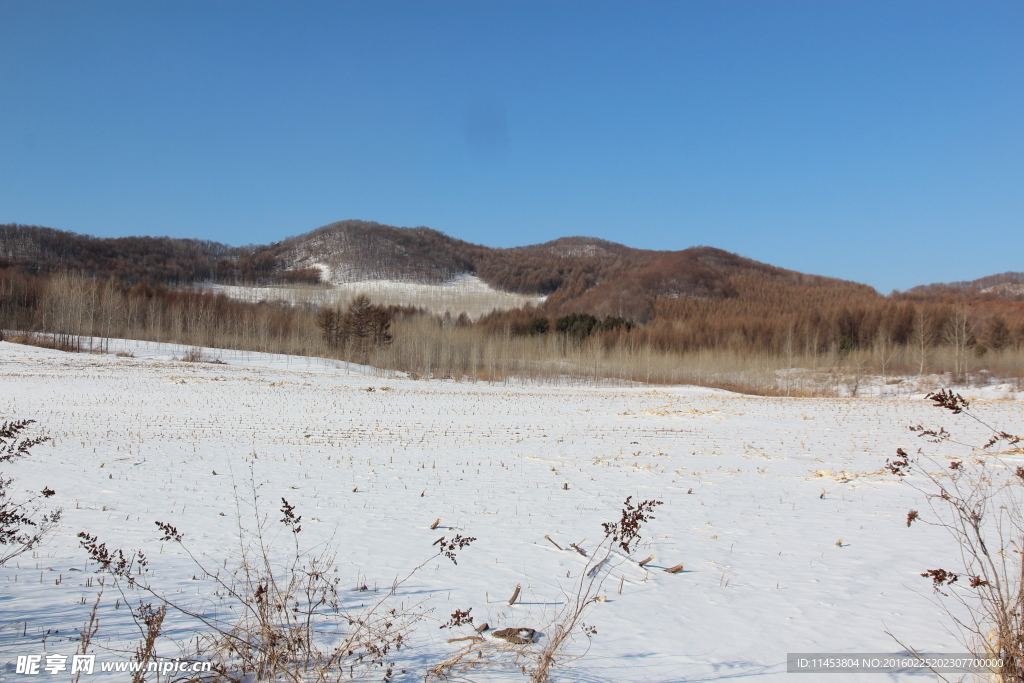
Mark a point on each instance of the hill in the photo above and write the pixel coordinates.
(134, 260)
(1002, 286)
(572, 305)
(576, 274)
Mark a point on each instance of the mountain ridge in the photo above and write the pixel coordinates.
(575, 273)
(1002, 285)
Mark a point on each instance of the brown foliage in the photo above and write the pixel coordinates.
(150, 260)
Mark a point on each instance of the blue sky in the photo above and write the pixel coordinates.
(881, 142)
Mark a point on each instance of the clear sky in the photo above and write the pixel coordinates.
(881, 142)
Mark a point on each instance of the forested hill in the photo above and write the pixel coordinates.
(133, 260)
(1001, 286)
(575, 273)
(694, 298)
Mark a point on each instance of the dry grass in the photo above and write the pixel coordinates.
(45, 341)
(88, 632)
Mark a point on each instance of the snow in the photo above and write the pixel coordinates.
(757, 493)
(462, 294)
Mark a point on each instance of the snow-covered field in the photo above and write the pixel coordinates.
(463, 294)
(792, 537)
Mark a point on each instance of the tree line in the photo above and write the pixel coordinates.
(722, 342)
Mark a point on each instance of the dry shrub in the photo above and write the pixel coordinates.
(516, 646)
(151, 621)
(979, 499)
(277, 620)
(195, 354)
(23, 524)
(46, 341)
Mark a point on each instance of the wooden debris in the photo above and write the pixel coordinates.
(676, 569)
(515, 596)
(643, 563)
(516, 636)
(552, 542)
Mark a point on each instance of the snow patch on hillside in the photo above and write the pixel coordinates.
(462, 294)
(1005, 289)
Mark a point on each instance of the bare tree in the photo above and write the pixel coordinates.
(885, 350)
(921, 341)
(957, 334)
